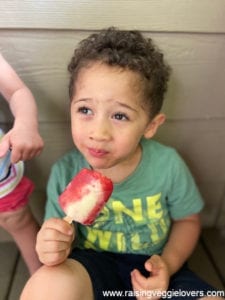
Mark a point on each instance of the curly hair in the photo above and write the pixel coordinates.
(128, 50)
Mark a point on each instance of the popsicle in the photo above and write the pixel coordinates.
(85, 196)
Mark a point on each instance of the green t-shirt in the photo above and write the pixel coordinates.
(137, 218)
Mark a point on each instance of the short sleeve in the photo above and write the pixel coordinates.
(184, 198)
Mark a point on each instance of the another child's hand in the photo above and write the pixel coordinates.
(24, 141)
(54, 241)
(157, 282)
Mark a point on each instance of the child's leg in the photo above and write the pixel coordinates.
(22, 226)
(69, 281)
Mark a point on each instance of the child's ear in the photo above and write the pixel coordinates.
(154, 125)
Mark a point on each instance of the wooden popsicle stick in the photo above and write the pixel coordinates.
(68, 219)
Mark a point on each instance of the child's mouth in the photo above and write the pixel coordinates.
(97, 152)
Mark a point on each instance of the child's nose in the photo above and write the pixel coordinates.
(101, 131)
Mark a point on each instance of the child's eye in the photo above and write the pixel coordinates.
(84, 110)
(121, 117)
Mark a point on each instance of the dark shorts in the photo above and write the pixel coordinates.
(110, 276)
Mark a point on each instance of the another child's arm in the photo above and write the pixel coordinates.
(182, 240)
(54, 241)
(24, 138)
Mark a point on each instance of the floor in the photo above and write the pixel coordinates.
(208, 261)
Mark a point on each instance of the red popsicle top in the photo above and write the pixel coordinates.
(85, 196)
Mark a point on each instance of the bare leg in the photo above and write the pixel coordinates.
(23, 227)
(69, 281)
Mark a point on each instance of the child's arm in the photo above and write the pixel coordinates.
(54, 241)
(182, 240)
(23, 138)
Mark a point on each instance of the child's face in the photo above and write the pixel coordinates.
(107, 116)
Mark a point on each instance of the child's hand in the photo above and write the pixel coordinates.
(24, 141)
(54, 241)
(158, 280)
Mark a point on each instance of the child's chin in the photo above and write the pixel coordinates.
(98, 166)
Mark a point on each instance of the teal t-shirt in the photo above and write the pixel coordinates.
(137, 218)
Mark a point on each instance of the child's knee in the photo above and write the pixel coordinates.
(44, 284)
(68, 280)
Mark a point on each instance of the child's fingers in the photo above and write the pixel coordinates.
(54, 231)
(49, 234)
(22, 151)
(159, 276)
(54, 241)
(16, 156)
(6, 144)
(153, 264)
(139, 284)
(54, 246)
(138, 280)
(58, 225)
(4, 147)
(53, 258)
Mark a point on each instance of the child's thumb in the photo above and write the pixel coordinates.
(152, 263)
(148, 265)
